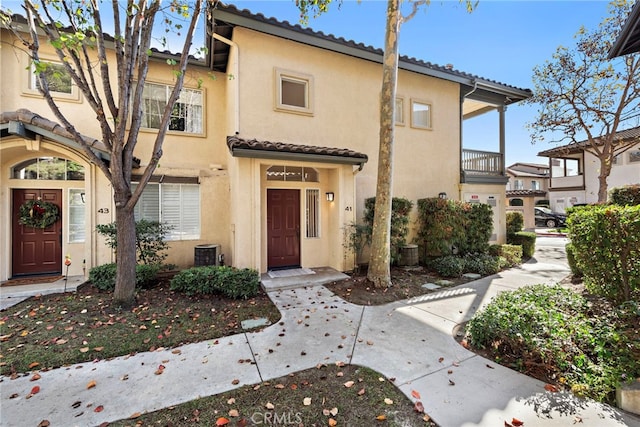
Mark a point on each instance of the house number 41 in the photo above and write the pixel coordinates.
(348, 209)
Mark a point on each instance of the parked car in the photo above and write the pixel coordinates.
(545, 217)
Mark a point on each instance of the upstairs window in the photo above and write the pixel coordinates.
(294, 92)
(420, 115)
(518, 184)
(634, 156)
(535, 185)
(186, 114)
(58, 79)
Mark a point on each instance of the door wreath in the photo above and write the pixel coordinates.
(38, 214)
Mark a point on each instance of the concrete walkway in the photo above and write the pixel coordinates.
(410, 341)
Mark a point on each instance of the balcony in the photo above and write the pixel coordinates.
(482, 167)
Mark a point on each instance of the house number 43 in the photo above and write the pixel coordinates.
(103, 210)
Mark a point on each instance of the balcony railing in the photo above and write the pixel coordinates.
(482, 166)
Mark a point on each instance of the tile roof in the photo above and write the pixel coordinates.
(623, 136)
(38, 124)
(240, 147)
(628, 40)
(526, 193)
(226, 14)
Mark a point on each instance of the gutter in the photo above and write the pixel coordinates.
(323, 158)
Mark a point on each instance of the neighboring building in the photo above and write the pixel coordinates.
(269, 161)
(628, 40)
(527, 186)
(574, 171)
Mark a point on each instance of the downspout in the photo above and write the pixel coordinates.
(236, 77)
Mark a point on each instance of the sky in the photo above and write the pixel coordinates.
(500, 40)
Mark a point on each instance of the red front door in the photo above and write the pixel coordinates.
(283, 228)
(36, 250)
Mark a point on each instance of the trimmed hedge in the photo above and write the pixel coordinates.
(449, 226)
(525, 239)
(104, 276)
(571, 259)
(227, 281)
(629, 195)
(400, 210)
(606, 242)
(511, 254)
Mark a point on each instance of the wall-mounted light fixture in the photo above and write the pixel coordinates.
(442, 195)
(330, 196)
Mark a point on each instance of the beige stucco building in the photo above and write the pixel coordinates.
(270, 160)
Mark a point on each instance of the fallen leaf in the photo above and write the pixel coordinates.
(176, 351)
(76, 404)
(516, 422)
(551, 388)
(418, 407)
(98, 348)
(84, 349)
(381, 417)
(388, 401)
(160, 370)
(294, 386)
(506, 424)
(334, 411)
(91, 384)
(134, 415)
(332, 422)
(426, 418)
(231, 401)
(349, 384)
(415, 394)
(441, 359)
(235, 381)
(33, 365)
(361, 392)
(35, 390)
(269, 405)
(279, 386)
(222, 421)
(44, 423)
(490, 367)
(306, 401)
(35, 377)
(234, 413)
(369, 342)
(99, 408)
(451, 383)
(577, 419)
(14, 395)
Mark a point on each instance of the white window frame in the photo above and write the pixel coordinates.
(414, 123)
(179, 232)
(292, 76)
(312, 225)
(634, 156)
(31, 84)
(399, 111)
(76, 225)
(182, 99)
(518, 184)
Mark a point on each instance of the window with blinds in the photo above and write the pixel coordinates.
(177, 205)
(313, 214)
(76, 212)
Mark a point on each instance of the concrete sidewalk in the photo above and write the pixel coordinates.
(410, 341)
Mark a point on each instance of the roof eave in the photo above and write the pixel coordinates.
(628, 40)
(304, 157)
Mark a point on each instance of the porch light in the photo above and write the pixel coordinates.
(330, 196)
(442, 195)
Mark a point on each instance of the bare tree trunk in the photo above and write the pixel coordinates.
(379, 262)
(125, 257)
(605, 170)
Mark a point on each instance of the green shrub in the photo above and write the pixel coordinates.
(606, 242)
(449, 226)
(448, 266)
(525, 239)
(151, 244)
(224, 280)
(552, 325)
(484, 264)
(629, 195)
(571, 259)
(515, 222)
(104, 276)
(400, 210)
(511, 255)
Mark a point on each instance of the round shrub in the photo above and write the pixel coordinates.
(525, 239)
(515, 222)
(448, 266)
(104, 276)
(224, 280)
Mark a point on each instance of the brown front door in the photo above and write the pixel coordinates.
(36, 250)
(283, 228)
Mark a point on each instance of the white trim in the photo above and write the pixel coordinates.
(281, 75)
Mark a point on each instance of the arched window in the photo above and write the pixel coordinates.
(48, 168)
(292, 173)
(516, 202)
